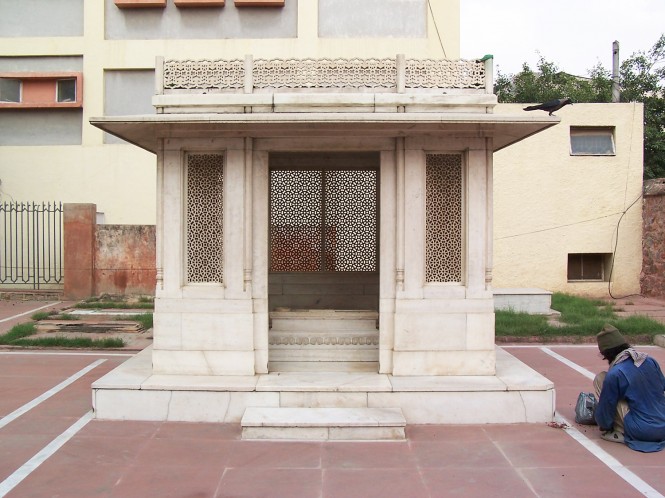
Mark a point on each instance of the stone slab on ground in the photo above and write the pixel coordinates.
(323, 423)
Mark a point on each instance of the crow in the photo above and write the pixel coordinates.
(550, 106)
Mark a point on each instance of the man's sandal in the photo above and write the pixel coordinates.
(613, 436)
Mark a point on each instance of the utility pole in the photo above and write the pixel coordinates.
(616, 91)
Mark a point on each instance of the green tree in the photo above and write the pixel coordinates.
(642, 79)
(548, 82)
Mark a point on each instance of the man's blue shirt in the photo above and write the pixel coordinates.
(642, 387)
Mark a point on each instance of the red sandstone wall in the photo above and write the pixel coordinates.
(79, 242)
(652, 279)
(125, 259)
(111, 259)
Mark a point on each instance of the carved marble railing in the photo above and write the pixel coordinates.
(378, 75)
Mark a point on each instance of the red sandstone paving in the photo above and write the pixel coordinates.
(274, 454)
(433, 433)
(567, 482)
(166, 482)
(453, 453)
(373, 483)
(126, 459)
(476, 481)
(249, 482)
(367, 455)
(639, 305)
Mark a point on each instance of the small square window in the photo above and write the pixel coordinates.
(588, 141)
(10, 90)
(66, 90)
(588, 266)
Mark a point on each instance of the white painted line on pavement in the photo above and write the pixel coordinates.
(30, 405)
(28, 467)
(627, 475)
(29, 312)
(588, 374)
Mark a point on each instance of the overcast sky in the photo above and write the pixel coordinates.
(573, 34)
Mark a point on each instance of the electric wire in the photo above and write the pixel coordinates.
(557, 227)
(437, 29)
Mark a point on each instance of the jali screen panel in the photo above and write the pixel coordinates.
(443, 233)
(323, 220)
(205, 215)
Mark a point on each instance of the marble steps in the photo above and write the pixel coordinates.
(323, 340)
(323, 320)
(325, 424)
(317, 365)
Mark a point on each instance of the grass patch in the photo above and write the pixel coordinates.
(19, 335)
(145, 319)
(507, 322)
(98, 305)
(41, 315)
(66, 316)
(577, 310)
(638, 324)
(70, 342)
(18, 332)
(579, 317)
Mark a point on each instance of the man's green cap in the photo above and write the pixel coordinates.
(609, 337)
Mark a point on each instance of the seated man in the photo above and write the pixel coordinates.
(631, 401)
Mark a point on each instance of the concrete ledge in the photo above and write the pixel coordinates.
(659, 340)
(323, 423)
(528, 300)
(186, 102)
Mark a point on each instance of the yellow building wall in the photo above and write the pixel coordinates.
(120, 179)
(548, 203)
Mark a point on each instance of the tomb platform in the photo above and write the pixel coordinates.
(515, 394)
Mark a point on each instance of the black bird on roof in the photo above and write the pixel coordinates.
(550, 106)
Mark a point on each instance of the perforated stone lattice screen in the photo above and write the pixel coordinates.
(324, 73)
(204, 74)
(205, 214)
(295, 220)
(323, 220)
(379, 74)
(443, 234)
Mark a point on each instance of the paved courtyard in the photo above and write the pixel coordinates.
(50, 446)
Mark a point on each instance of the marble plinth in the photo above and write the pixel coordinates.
(516, 394)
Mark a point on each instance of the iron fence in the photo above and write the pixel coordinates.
(31, 245)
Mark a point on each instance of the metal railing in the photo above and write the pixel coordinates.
(31, 245)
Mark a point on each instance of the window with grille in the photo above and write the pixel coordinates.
(591, 141)
(588, 266)
(204, 217)
(443, 225)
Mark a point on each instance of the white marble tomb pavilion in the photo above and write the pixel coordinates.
(324, 242)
